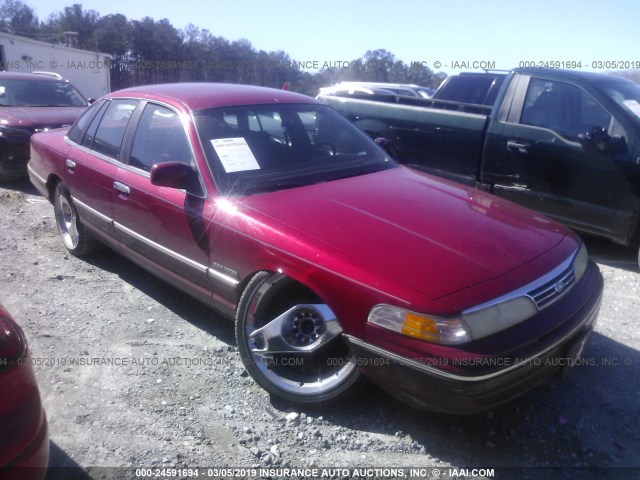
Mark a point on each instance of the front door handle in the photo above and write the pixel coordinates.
(70, 164)
(520, 147)
(122, 188)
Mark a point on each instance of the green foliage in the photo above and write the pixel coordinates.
(81, 22)
(154, 51)
(382, 66)
(18, 18)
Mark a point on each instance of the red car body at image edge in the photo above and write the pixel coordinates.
(24, 442)
(335, 263)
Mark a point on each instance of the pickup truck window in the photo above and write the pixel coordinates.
(110, 132)
(480, 89)
(625, 94)
(563, 108)
(159, 138)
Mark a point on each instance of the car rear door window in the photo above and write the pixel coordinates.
(113, 124)
(160, 137)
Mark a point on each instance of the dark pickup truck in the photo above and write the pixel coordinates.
(564, 143)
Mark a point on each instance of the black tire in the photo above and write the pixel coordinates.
(75, 236)
(325, 375)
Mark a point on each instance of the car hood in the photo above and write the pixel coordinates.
(36, 117)
(435, 236)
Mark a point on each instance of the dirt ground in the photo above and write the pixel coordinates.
(135, 374)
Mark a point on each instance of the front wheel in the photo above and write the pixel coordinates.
(291, 343)
(73, 233)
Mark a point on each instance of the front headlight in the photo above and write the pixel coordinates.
(423, 327)
(471, 325)
(580, 262)
(486, 319)
(15, 134)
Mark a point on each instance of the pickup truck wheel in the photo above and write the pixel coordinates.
(291, 343)
(73, 233)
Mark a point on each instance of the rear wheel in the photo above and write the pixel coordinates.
(291, 343)
(73, 233)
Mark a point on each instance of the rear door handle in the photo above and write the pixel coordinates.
(70, 164)
(122, 188)
(520, 147)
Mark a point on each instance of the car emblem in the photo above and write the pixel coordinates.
(561, 285)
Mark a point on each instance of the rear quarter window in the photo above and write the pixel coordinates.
(79, 128)
(466, 89)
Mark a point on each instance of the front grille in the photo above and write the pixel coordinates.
(555, 288)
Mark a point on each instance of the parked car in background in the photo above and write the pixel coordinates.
(24, 442)
(30, 103)
(377, 88)
(334, 262)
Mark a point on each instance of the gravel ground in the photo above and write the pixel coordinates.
(135, 374)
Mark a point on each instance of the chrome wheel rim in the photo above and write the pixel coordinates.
(66, 219)
(299, 350)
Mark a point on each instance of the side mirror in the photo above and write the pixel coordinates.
(389, 146)
(597, 137)
(597, 141)
(175, 175)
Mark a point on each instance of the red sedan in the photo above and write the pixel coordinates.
(334, 262)
(29, 103)
(24, 443)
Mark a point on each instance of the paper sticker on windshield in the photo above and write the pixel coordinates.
(235, 154)
(633, 105)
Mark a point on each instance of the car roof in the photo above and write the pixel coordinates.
(379, 84)
(576, 75)
(354, 88)
(200, 96)
(45, 76)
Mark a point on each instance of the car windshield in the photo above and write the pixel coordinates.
(262, 148)
(39, 93)
(626, 94)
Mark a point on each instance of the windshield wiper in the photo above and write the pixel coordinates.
(263, 187)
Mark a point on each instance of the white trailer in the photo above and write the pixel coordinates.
(88, 71)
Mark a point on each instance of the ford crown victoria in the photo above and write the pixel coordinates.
(335, 263)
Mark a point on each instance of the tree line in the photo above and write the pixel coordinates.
(154, 51)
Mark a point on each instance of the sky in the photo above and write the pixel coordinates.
(449, 36)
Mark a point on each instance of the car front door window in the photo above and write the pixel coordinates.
(563, 108)
(160, 137)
